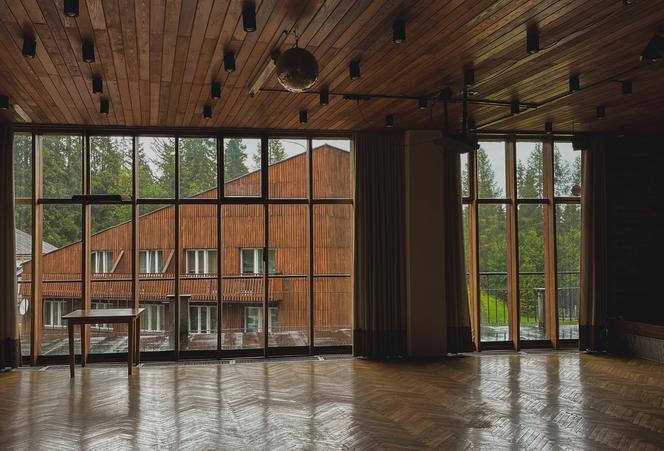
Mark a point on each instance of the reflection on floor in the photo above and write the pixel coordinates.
(540, 400)
(501, 333)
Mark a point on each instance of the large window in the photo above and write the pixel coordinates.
(522, 197)
(213, 236)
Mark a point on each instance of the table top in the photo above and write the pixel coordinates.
(118, 313)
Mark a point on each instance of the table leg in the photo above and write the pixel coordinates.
(130, 345)
(137, 351)
(84, 344)
(70, 330)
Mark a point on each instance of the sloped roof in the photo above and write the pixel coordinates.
(24, 244)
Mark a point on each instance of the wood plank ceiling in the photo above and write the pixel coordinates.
(157, 59)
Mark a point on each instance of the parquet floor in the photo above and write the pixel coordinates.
(509, 401)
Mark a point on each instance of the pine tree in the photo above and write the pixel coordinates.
(235, 157)
(276, 153)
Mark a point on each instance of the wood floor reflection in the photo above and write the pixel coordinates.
(524, 401)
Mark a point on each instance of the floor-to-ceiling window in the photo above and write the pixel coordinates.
(522, 235)
(215, 236)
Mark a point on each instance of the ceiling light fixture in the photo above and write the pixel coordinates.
(515, 107)
(71, 8)
(249, 18)
(215, 90)
(88, 51)
(324, 97)
(423, 103)
(548, 127)
(574, 83)
(207, 111)
(303, 117)
(104, 107)
(229, 61)
(399, 31)
(29, 49)
(532, 41)
(626, 87)
(354, 70)
(600, 112)
(97, 86)
(471, 124)
(654, 51)
(389, 120)
(4, 102)
(469, 77)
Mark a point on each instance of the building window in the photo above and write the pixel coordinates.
(252, 260)
(202, 319)
(152, 319)
(101, 306)
(151, 262)
(201, 261)
(253, 319)
(53, 311)
(101, 262)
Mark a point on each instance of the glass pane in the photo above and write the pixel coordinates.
(529, 170)
(531, 272)
(198, 232)
(156, 231)
(465, 180)
(22, 165)
(333, 239)
(61, 287)
(287, 173)
(242, 228)
(110, 165)
(198, 167)
(248, 261)
(242, 167)
(568, 250)
(287, 255)
(491, 175)
(63, 165)
(111, 241)
(156, 166)
(494, 317)
(331, 168)
(333, 311)
(23, 274)
(567, 170)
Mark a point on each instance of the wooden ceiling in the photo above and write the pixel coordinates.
(157, 59)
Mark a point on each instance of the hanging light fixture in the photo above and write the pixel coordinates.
(626, 87)
(297, 69)
(88, 51)
(423, 103)
(471, 124)
(354, 70)
(229, 61)
(532, 41)
(4, 102)
(104, 107)
(600, 112)
(215, 90)
(548, 127)
(29, 49)
(389, 120)
(207, 112)
(515, 107)
(469, 77)
(324, 97)
(574, 83)
(97, 86)
(249, 18)
(303, 117)
(654, 51)
(399, 31)
(71, 8)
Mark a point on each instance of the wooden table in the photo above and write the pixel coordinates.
(128, 316)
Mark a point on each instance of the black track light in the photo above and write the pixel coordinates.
(471, 124)
(469, 77)
(303, 117)
(574, 83)
(71, 8)
(354, 70)
(249, 18)
(88, 51)
(532, 41)
(324, 97)
(215, 90)
(104, 107)
(229, 61)
(389, 120)
(423, 103)
(654, 51)
(97, 86)
(398, 31)
(446, 93)
(600, 112)
(626, 87)
(207, 112)
(515, 107)
(548, 127)
(29, 49)
(4, 102)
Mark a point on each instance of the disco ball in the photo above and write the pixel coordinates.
(297, 69)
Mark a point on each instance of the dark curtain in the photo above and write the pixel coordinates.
(380, 276)
(459, 336)
(9, 343)
(593, 302)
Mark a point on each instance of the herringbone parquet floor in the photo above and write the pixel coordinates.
(509, 401)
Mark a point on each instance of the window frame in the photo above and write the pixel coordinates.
(207, 260)
(150, 265)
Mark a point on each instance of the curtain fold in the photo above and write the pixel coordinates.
(593, 302)
(9, 342)
(380, 277)
(459, 335)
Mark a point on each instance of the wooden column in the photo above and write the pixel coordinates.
(220, 195)
(473, 250)
(310, 245)
(266, 240)
(512, 245)
(37, 240)
(550, 257)
(86, 273)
